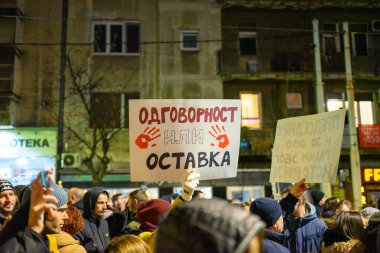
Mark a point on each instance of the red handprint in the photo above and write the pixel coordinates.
(142, 141)
(220, 136)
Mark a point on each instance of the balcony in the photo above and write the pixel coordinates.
(296, 65)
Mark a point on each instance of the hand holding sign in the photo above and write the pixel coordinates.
(142, 141)
(189, 182)
(220, 136)
(299, 188)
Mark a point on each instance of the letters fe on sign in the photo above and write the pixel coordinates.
(169, 136)
(308, 147)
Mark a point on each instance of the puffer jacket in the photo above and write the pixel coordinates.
(350, 246)
(305, 234)
(207, 225)
(67, 244)
(94, 236)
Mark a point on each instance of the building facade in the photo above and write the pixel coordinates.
(267, 60)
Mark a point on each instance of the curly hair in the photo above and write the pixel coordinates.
(74, 222)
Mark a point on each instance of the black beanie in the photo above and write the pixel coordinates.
(267, 209)
(5, 185)
(316, 196)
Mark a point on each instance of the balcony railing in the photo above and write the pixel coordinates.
(301, 62)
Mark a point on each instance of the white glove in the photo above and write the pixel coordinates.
(189, 182)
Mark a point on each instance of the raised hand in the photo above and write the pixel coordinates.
(143, 140)
(299, 188)
(220, 135)
(40, 202)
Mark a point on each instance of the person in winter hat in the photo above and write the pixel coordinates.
(7, 200)
(271, 213)
(190, 181)
(209, 226)
(319, 200)
(367, 213)
(372, 233)
(42, 213)
(150, 212)
(95, 234)
(304, 230)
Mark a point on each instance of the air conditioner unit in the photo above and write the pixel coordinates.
(71, 160)
(375, 25)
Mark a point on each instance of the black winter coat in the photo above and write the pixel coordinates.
(17, 237)
(94, 236)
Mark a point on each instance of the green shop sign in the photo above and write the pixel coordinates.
(27, 143)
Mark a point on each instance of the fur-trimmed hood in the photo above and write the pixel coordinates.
(350, 246)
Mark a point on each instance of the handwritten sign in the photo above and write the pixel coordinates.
(169, 136)
(308, 147)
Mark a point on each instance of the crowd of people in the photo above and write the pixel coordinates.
(40, 219)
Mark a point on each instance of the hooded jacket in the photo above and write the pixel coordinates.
(273, 242)
(67, 244)
(305, 234)
(95, 235)
(17, 237)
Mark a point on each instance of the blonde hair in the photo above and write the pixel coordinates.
(127, 244)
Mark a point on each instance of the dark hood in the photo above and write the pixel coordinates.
(89, 202)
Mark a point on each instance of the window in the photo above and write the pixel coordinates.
(6, 72)
(116, 37)
(250, 110)
(116, 114)
(331, 39)
(105, 110)
(359, 39)
(248, 43)
(189, 40)
(363, 106)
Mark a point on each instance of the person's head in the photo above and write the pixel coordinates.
(56, 219)
(95, 203)
(209, 225)
(350, 224)
(318, 197)
(7, 197)
(270, 212)
(127, 244)
(119, 202)
(75, 194)
(198, 194)
(343, 206)
(331, 205)
(150, 212)
(367, 213)
(74, 222)
(136, 198)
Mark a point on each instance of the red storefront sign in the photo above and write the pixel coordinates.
(369, 136)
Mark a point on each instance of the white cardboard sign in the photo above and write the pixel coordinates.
(308, 147)
(168, 136)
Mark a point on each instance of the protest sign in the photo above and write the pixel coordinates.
(308, 147)
(168, 136)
